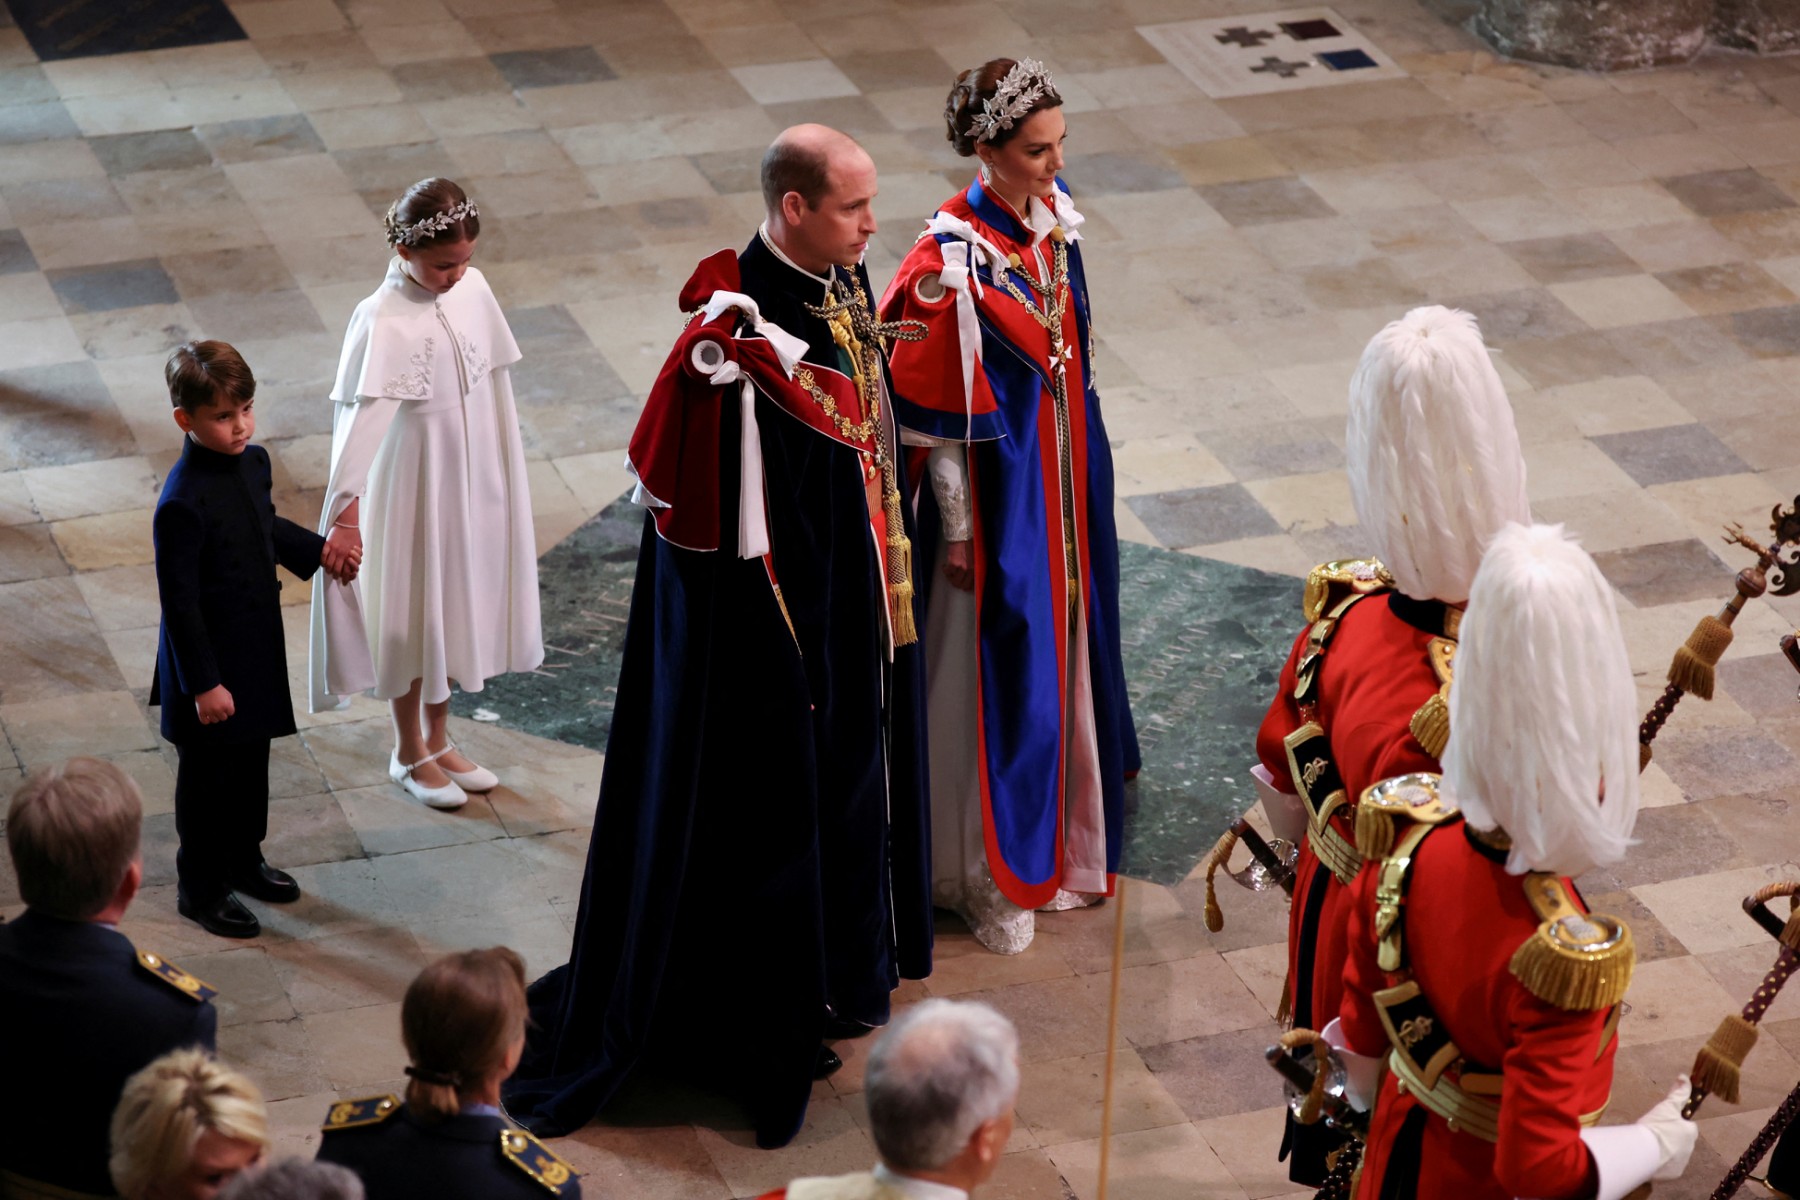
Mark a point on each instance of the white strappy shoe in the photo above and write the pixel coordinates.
(479, 780)
(446, 797)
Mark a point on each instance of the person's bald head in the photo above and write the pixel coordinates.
(819, 189)
(940, 1085)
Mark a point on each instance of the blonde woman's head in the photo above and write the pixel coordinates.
(185, 1126)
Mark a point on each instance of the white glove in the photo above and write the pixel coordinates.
(1675, 1137)
(1362, 1072)
(1287, 815)
(1657, 1146)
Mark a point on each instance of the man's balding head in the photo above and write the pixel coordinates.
(819, 188)
(801, 160)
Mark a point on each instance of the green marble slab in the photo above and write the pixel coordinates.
(1203, 643)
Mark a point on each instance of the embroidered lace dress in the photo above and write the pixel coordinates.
(426, 434)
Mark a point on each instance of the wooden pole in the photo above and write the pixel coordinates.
(1112, 1033)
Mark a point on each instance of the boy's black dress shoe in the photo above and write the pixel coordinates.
(224, 917)
(263, 882)
(827, 1063)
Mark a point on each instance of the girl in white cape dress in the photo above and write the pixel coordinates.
(428, 477)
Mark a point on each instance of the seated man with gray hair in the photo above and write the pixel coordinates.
(940, 1085)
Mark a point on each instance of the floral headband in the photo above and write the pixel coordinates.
(426, 228)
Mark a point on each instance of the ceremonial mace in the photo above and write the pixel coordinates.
(1696, 660)
(1786, 962)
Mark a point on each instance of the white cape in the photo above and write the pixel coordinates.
(426, 433)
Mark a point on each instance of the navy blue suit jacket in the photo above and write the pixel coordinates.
(217, 542)
(457, 1159)
(78, 1017)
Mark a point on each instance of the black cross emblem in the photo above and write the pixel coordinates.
(1243, 35)
(1274, 65)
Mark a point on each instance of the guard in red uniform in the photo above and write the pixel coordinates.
(1474, 968)
(1435, 471)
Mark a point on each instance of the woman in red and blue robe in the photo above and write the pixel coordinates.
(1031, 736)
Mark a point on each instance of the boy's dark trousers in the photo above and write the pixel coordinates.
(221, 815)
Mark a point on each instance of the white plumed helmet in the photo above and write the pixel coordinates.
(1433, 455)
(1543, 711)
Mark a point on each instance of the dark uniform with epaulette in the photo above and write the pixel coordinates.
(81, 1011)
(1494, 998)
(466, 1157)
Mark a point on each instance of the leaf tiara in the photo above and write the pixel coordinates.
(436, 223)
(1023, 86)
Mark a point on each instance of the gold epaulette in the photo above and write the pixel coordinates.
(532, 1157)
(354, 1114)
(1328, 583)
(1411, 797)
(194, 989)
(1580, 962)
(1431, 724)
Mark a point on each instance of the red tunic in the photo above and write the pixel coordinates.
(1376, 674)
(1464, 918)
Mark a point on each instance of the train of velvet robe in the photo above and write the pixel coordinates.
(972, 381)
(745, 877)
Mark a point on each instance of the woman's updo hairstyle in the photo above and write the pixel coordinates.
(424, 200)
(458, 1020)
(969, 96)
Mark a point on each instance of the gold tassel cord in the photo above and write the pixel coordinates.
(1558, 967)
(1693, 667)
(1284, 1008)
(1312, 1107)
(1216, 858)
(1719, 1065)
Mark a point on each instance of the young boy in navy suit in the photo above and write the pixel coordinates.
(221, 660)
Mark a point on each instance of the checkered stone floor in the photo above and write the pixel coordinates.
(1630, 244)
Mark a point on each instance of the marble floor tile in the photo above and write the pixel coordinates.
(1261, 201)
(54, 650)
(29, 552)
(1197, 516)
(1727, 287)
(92, 722)
(357, 1047)
(1242, 1143)
(1621, 301)
(1768, 332)
(1572, 257)
(551, 68)
(1218, 1076)
(1152, 1164)
(1705, 911)
(1673, 998)
(1666, 573)
(1719, 193)
(1189, 998)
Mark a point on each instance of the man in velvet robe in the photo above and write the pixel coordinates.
(758, 879)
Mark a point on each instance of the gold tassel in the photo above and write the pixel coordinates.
(1216, 858)
(899, 570)
(1574, 979)
(1643, 757)
(1431, 725)
(1692, 669)
(1312, 1105)
(1374, 832)
(1284, 1008)
(1719, 1064)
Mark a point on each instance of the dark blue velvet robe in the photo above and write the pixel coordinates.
(760, 855)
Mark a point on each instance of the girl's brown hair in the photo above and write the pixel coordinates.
(427, 198)
(971, 91)
(458, 1020)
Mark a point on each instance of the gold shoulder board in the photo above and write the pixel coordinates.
(354, 1114)
(1580, 962)
(175, 977)
(532, 1157)
(1328, 583)
(1413, 798)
